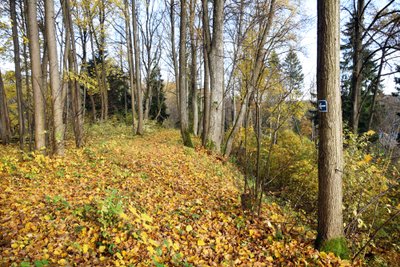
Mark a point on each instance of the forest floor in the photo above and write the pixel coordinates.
(139, 201)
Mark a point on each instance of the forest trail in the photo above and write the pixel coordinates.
(139, 201)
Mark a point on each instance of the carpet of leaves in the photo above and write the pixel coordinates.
(139, 201)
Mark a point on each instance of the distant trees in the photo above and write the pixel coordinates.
(369, 47)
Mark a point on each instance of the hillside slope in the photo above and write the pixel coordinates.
(139, 201)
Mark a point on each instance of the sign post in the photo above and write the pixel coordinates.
(322, 105)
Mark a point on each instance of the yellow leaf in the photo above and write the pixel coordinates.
(119, 256)
(176, 246)
(123, 216)
(102, 248)
(201, 242)
(117, 240)
(85, 248)
(189, 228)
(146, 217)
(14, 245)
(62, 262)
(367, 158)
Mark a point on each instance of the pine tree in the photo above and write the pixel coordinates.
(293, 72)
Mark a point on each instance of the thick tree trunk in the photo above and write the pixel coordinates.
(5, 127)
(184, 116)
(330, 156)
(137, 70)
(56, 89)
(38, 100)
(356, 78)
(130, 60)
(216, 57)
(18, 77)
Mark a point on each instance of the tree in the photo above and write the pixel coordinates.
(18, 76)
(5, 127)
(36, 76)
(158, 108)
(183, 99)
(330, 156)
(56, 89)
(130, 60)
(293, 72)
(215, 51)
(137, 70)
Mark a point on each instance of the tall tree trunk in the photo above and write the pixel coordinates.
(56, 89)
(5, 127)
(330, 156)
(356, 77)
(173, 50)
(28, 103)
(216, 60)
(76, 98)
(38, 100)
(130, 60)
(207, 95)
(184, 116)
(137, 70)
(18, 77)
(193, 70)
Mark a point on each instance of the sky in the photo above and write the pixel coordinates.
(308, 57)
(309, 43)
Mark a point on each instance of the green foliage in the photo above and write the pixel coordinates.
(158, 108)
(338, 246)
(109, 209)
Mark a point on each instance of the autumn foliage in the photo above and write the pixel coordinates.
(139, 201)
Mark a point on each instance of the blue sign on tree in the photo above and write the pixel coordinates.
(322, 106)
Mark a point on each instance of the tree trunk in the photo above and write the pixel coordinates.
(76, 98)
(184, 116)
(130, 60)
(216, 60)
(137, 69)
(5, 127)
(173, 50)
(193, 70)
(330, 156)
(56, 89)
(38, 100)
(356, 78)
(18, 77)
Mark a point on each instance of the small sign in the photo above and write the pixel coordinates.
(322, 106)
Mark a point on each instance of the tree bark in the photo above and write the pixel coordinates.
(18, 76)
(38, 100)
(216, 60)
(137, 70)
(56, 89)
(130, 60)
(330, 156)
(193, 70)
(184, 116)
(173, 51)
(5, 127)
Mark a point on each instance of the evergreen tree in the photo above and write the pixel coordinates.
(368, 74)
(293, 72)
(158, 108)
